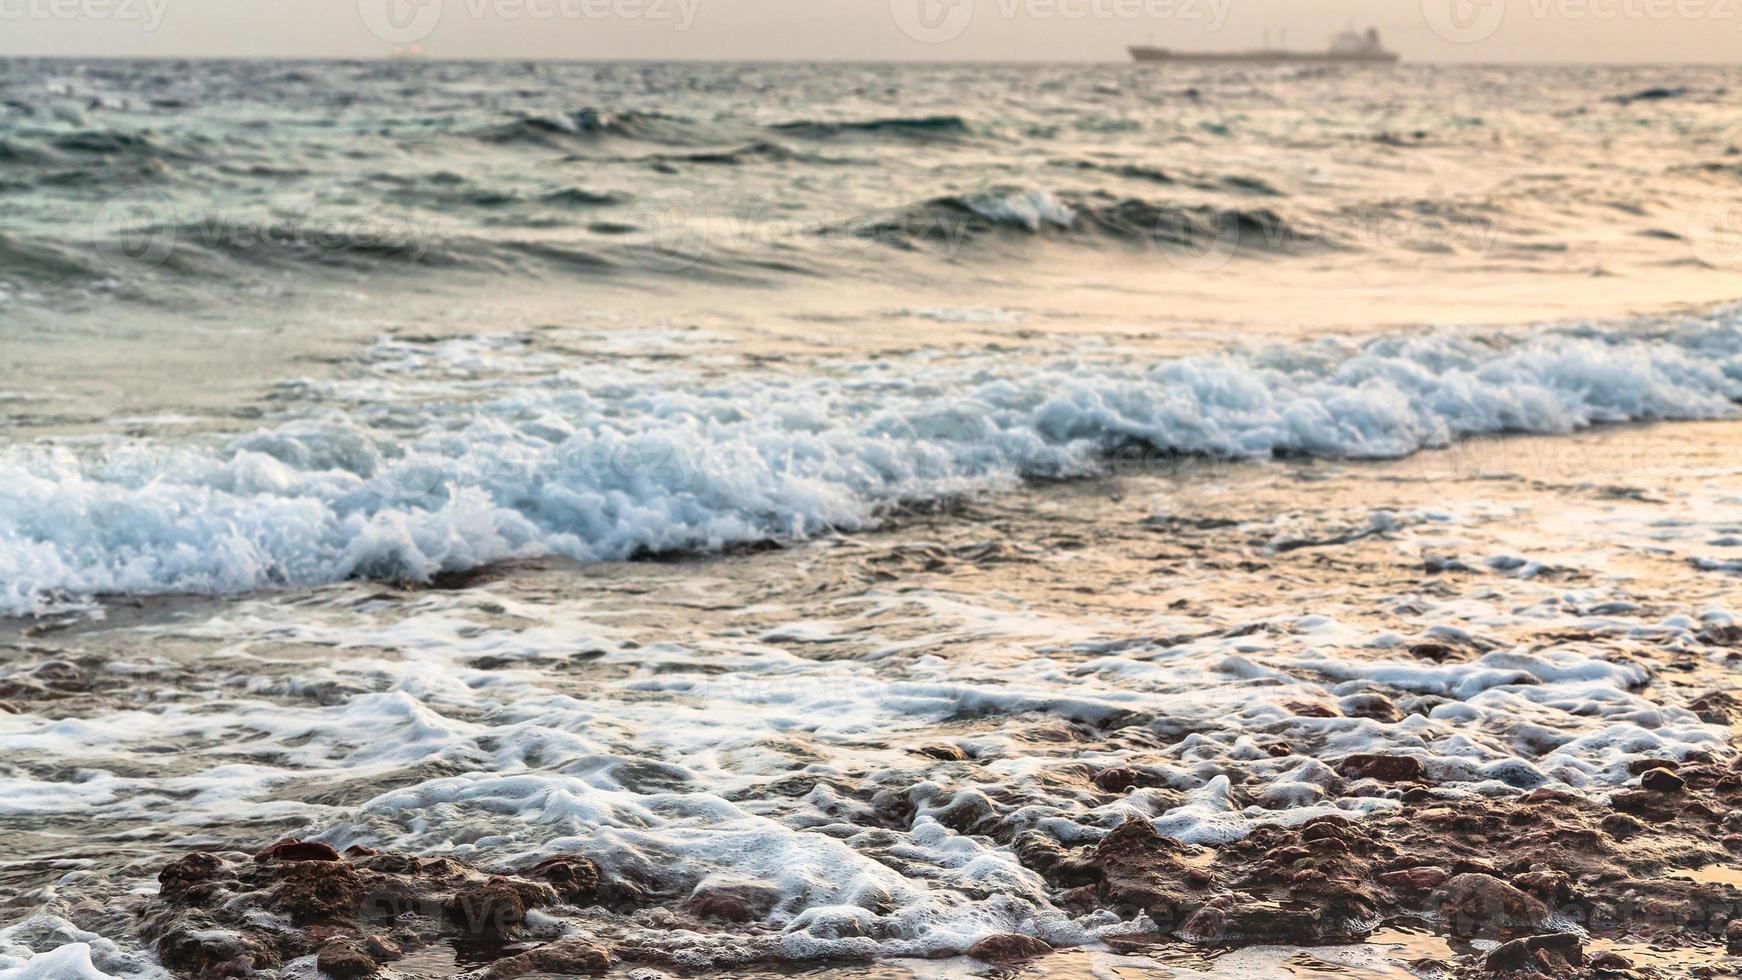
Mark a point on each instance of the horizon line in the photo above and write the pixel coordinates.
(679, 59)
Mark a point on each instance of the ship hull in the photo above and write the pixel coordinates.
(1262, 57)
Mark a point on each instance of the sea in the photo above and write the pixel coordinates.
(802, 479)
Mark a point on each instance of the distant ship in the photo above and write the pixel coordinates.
(1348, 46)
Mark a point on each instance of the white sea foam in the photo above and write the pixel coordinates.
(607, 462)
(1032, 209)
(69, 962)
(47, 947)
(505, 723)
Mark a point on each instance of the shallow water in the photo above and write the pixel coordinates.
(755, 717)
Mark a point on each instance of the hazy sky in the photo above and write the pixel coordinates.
(1423, 30)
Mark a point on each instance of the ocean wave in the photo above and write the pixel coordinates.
(756, 151)
(150, 262)
(559, 129)
(101, 147)
(1130, 171)
(952, 220)
(443, 191)
(31, 260)
(19, 152)
(603, 465)
(580, 197)
(908, 128)
(189, 246)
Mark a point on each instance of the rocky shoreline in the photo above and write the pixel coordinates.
(1536, 878)
(1387, 720)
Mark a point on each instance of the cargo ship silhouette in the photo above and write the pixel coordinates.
(1349, 46)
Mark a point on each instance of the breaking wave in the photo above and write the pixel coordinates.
(611, 466)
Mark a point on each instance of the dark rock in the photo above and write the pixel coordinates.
(1375, 706)
(1662, 781)
(1227, 919)
(1639, 767)
(382, 949)
(1423, 879)
(1560, 942)
(1478, 904)
(1385, 768)
(493, 907)
(1323, 828)
(942, 753)
(1118, 779)
(1656, 806)
(213, 953)
(297, 850)
(969, 812)
(346, 958)
(575, 878)
(1008, 948)
(1716, 708)
(1733, 936)
(317, 891)
(1621, 826)
(193, 878)
(1135, 866)
(737, 902)
(565, 957)
(1552, 953)
(1039, 852)
(1507, 957)
(1317, 881)
(1439, 653)
(221, 916)
(1548, 885)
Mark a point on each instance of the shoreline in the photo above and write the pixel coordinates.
(1260, 555)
